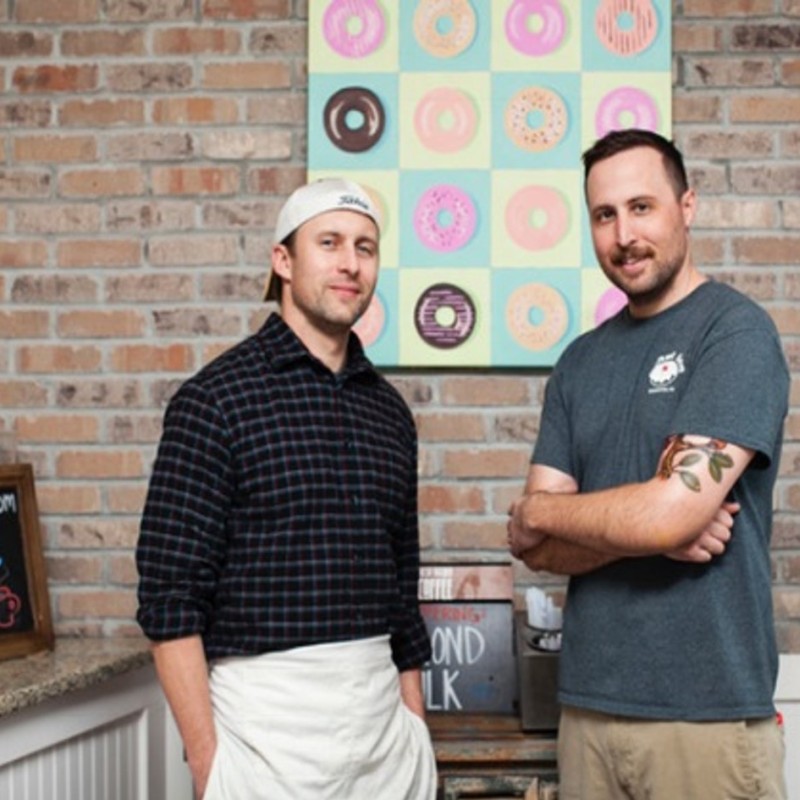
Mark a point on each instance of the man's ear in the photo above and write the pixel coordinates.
(281, 262)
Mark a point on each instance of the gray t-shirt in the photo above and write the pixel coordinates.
(653, 637)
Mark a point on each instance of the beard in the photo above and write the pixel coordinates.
(654, 283)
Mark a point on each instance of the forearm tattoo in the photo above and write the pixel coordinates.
(680, 455)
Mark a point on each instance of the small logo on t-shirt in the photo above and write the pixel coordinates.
(665, 372)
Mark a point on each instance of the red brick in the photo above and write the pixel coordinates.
(290, 39)
(24, 324)
(272, 145)
(122, 570)
(152, 77)
(101, 183)
(89, 393)
(162, 215)
(135, 429)
(182, 41)
(262, 75)
(27, 394)
(486, 463)
(790, 72)
(196, 321)
(281, 180)
(195, 111)
(451, 427)
(103, 42)
(68, 569)
(726, 8)
(119, 603)
(54, 289)
(770, 250)
(197, 250)
(28, 113)
(451, 499)
(766, 107)
(48, 79)
(236, 214)
(246, 9)
(70, 498)
(55, 148)
(56, 428)
(278, 108)
(98, 463)
(126, 499)
(97, 533)
(98, 253)
(728, 144)
(57, 219)
(22, 254)
(101, 113)
(45, 358)
(486, 391)
(232, 286)
(483, 535)
(150, 147)
(25, 44)
(729, 72)
(149, 10)
(692, 36)
(195, 180)
(738, 214)
(68, 11)
(148, 289)
(149, 358)
(101, 324)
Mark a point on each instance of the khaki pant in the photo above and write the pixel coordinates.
(604, 757)
(317, 723)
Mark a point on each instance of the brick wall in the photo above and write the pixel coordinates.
(145, 147)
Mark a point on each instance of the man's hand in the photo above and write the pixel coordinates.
(521, 536)
(712, 541)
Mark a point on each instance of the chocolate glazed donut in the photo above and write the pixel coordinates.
(430, 329)
(335, 118)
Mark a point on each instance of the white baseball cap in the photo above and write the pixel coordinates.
(313, 199)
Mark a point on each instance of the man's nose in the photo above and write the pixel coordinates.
(624, 231)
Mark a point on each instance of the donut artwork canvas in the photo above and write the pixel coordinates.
(465, 120)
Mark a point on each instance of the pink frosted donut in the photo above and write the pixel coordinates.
(371, 323)
(611, 301)
(630, 39)
(630, 101)
(520, 222)
(445, 120)
(445, 218)
(547, 38)
(337, 27)
(537, 316)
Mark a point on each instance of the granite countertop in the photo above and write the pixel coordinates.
(72, 665)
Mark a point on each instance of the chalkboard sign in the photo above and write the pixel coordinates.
(25, 624)
(469, 613)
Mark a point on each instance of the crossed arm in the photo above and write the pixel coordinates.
(681, 512)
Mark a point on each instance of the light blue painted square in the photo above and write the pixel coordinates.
(476, 252)
(566, 153)
(322, 153)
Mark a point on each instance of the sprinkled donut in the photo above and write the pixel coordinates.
(537, 217)
(365, 15)
(536, 119)
(444, 28)
(445, 120)
(537, 316)
(444, 316)
(611, 301)
(445, 218)
(626, 27)
(626, 107)
(371, 323)
(345, 106)
(540, 42)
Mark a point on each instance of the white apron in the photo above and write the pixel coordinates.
(317, 723)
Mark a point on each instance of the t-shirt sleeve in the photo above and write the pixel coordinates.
(738, 391)
(554, 442)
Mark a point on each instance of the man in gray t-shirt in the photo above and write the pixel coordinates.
(651, 486)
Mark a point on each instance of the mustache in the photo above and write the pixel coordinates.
(622, 254)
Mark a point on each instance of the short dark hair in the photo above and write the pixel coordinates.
(619, 141)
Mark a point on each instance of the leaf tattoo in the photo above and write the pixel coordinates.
(680, 455)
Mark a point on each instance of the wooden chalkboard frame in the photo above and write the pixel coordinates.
(23, 534)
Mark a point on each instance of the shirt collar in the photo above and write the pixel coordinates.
(284, 349)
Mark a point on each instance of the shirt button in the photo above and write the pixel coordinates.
(355, 500)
